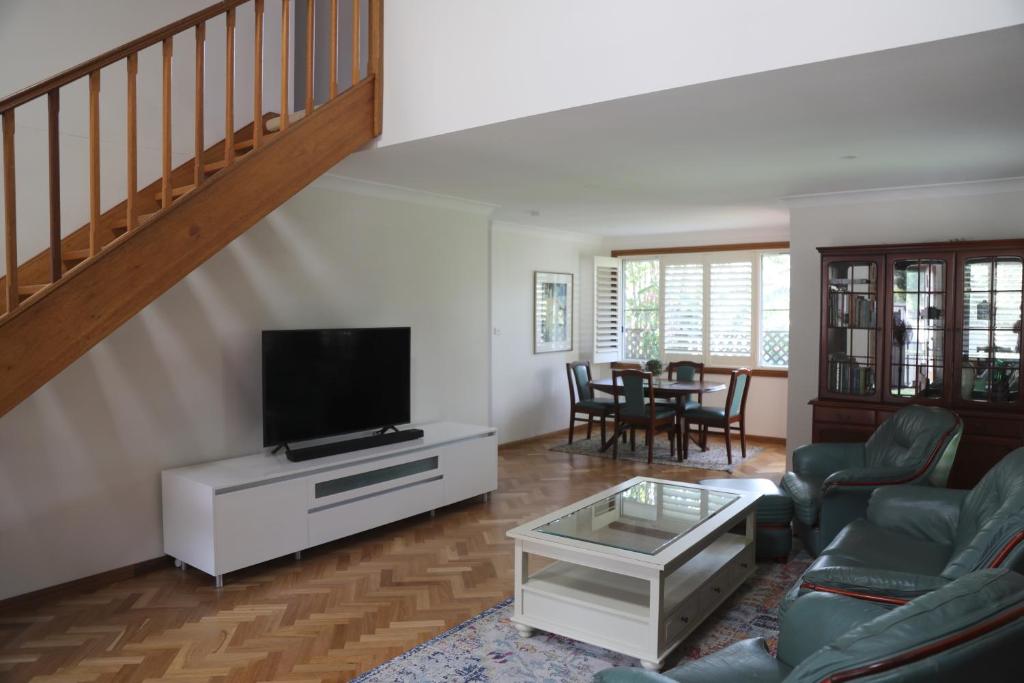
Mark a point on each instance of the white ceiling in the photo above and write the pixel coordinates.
(721, 155)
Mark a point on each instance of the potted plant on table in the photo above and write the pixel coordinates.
(654, 366)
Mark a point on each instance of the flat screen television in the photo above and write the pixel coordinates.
(319, 383)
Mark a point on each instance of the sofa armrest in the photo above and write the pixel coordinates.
(819, 460)
(923, 512)
(877, 585)
(870, 476)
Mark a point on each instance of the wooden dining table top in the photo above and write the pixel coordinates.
(664, 388)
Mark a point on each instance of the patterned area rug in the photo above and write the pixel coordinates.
(712, 459)
(487, 647)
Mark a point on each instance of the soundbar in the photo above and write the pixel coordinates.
(349, 445)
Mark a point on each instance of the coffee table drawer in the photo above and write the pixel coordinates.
(684, 619)
(541, 607)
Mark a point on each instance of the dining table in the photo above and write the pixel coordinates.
(679, 390)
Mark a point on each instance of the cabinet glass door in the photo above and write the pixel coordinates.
(918, 337)
(990, 334)
(851, 334)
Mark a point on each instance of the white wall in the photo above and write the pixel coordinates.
(40, 38)
(456, 64)
(970, 211)
(530, 391)
(179, 383)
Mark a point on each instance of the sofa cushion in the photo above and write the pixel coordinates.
(867, 545)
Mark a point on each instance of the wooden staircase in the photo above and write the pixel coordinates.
(67, 298)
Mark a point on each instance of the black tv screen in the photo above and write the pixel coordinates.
(319, 383)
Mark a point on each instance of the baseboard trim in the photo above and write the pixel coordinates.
(564, 433)
(88, 583)
(522, 442)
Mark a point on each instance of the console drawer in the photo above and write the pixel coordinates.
(374, 509)
(378, 476)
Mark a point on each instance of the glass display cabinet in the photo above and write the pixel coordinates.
(918, 309)
(850, 349)
(935, 324)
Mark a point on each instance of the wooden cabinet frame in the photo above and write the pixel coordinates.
(991, 429)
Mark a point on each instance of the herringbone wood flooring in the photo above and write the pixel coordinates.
(341, 610)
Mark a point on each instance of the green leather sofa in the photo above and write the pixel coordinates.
(831, 482)
(917, 539)
(970, 629)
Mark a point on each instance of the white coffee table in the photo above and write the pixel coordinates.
(637, 567)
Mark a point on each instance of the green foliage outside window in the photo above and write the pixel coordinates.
(641, 309)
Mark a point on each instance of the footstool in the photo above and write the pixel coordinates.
(774, 514)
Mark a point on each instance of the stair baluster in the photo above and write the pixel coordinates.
(53, 145)
(257, 76)
(229, 89)
(10, 212)
(198, 171)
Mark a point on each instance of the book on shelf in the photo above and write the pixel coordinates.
(847, 376)
(849, 309)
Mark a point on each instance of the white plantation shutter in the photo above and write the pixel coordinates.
(684, 308)
(731, 305)
(607, 323)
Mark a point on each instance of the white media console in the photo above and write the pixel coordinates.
(225, 515)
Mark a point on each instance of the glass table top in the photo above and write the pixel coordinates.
(644, 518)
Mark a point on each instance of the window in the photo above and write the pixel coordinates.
(684, 308)
(641, 309)
(607, 321)
(774, 343)
(721, 308)
(731, 312)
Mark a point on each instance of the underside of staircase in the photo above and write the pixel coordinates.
(68, 303)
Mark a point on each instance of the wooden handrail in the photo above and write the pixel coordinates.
(117, 54)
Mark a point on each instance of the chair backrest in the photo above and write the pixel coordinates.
(579, 380)
(971, 628)
(686, 371)
(637, 396)
(921, 438)
(739, 385)
(990, 529)
(623, 365)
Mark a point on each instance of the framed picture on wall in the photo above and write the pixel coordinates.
(552, 312)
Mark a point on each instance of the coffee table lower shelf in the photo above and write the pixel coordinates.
(640, 617)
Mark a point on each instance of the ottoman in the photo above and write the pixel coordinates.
(774, 514)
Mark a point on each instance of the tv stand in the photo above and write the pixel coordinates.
(225, 515)
(379, 438)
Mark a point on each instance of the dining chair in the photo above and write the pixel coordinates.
(582, 400)
(688, 371)
(635, 408)
(626, 365)
(735, 410)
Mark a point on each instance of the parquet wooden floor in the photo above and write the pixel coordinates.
(342, 609)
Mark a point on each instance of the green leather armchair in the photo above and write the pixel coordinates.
(917, 539)
(831, 482)
(970, 628)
